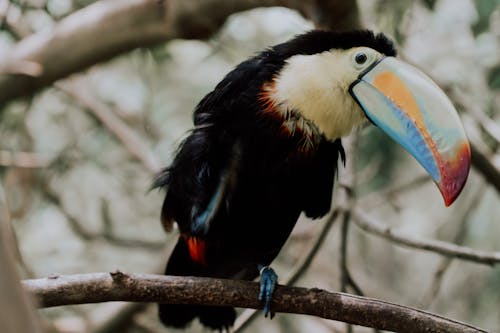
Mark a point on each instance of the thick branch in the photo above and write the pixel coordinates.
(371, 225)
(105, 287)
(108, 28)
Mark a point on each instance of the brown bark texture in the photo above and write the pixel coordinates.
(118, 286)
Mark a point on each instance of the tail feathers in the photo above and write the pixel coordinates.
(213, 317)
(177, 315)
(180, 315)
(217, 317)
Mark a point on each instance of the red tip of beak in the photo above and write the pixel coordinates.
(454, 174)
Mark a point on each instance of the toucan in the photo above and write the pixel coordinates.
(265, 147)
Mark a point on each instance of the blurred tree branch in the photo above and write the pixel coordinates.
(347, 200)
(81, 231)
(108, 28)
(371, 225)
(117, 286)
(17, 314)
(480, 158)
(485, 166)
(433, 291)
(133, 143)
(22, 159)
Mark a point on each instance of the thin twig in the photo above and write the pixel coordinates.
(482, 162)
(344, 271)
(21, 159)
(468, 209)
(487, 124)
(346, 280)
(87, 235)
(372, 225)
(375, 199)
(348, 198)
(117, 286)
(79, 91)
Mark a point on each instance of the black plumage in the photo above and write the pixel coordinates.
(242, 177)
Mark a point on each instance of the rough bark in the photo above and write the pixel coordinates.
(104, 287)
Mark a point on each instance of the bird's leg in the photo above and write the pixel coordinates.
(268, 279)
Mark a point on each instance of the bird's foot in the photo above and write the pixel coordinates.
(268, 280)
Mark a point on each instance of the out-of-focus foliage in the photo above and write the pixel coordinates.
(494, 77)
(429, 3)
(85, 204)
(484, 9)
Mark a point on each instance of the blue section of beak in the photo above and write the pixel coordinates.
(398, 125)
(410, 108)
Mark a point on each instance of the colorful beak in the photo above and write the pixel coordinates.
(409, 107)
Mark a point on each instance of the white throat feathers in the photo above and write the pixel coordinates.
(317, 87)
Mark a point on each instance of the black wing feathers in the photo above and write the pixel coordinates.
(193, 177)
(318, 198)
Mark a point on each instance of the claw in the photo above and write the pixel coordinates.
(268, 279)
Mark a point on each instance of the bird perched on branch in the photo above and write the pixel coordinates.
(265, 147)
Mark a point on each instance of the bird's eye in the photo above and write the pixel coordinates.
(360, 58)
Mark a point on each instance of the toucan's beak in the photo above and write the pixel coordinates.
(408, 106)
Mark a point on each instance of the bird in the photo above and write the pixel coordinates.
(265, 148)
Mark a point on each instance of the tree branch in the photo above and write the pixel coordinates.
(17, 313)
(433, 291)
(485, 166)
(21, 159)
(108, 28)
(371, 225)
(105, 287)
(131, 141)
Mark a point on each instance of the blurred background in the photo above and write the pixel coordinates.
(77, 160)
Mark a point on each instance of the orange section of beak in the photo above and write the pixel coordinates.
(453, 171)
(410, 108)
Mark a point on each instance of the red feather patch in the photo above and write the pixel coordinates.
(292, 123)
(197, 248)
